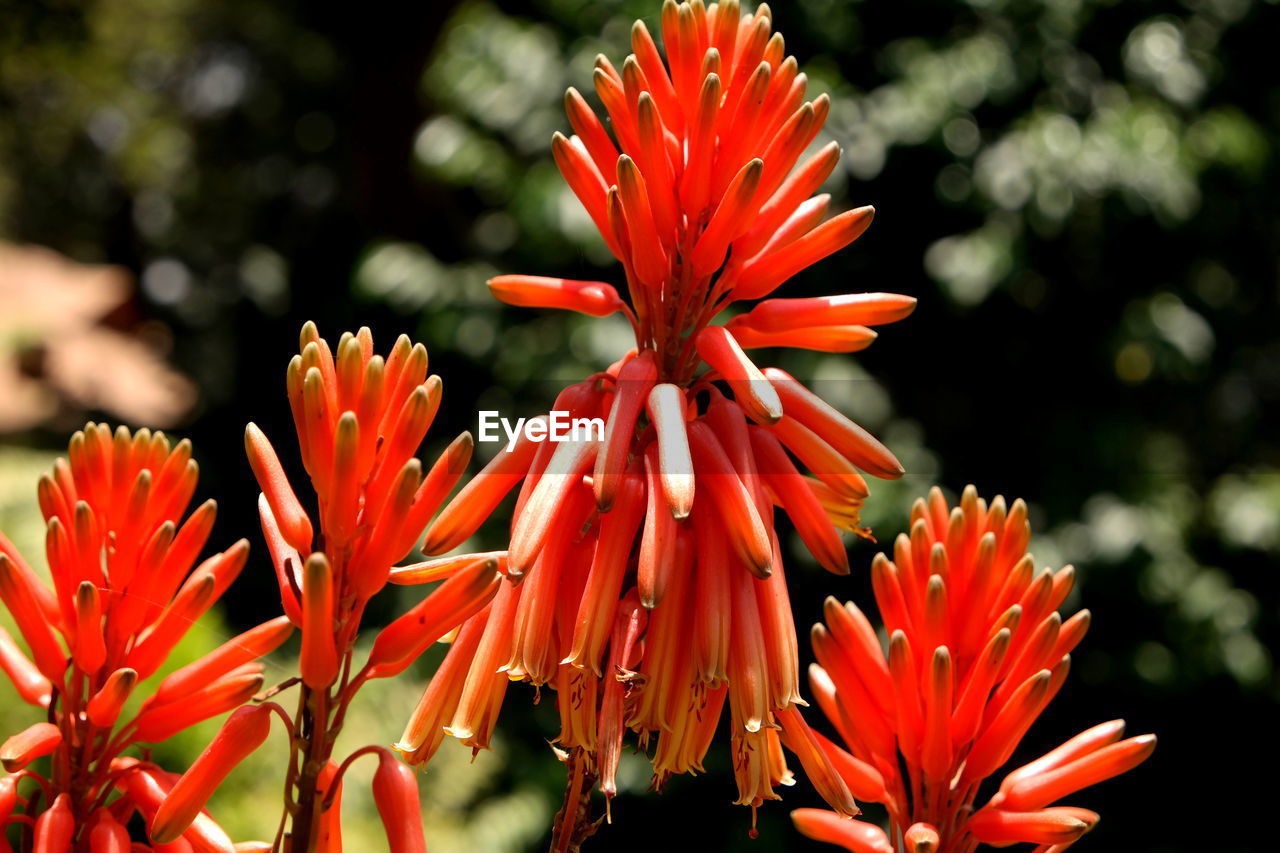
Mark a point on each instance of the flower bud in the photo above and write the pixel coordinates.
(920, 838)
(854, 835)
(55, 828)
(292, 518)
(161, 722)
(1046, 826)
(1037, 791)
(329, 833)
(656, 560)
(666, 408)
(594, 298)
(732, 500)
(479, 497)
(635, 380)
(242, 733)
(753, 392)
(31, 685)
(8, 795)
(237, 651)
(90, 647)
(285, 560)
(190, 604)
(18, 593)
(146, 788)
(108, 835)
(105, 705)
(852, 441)
(863, 309)
(26, 746)
(395, 792)
(319, 658)
(446, 607)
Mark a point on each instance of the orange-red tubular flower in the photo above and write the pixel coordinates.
(479, 497)
(920, 838)
(594, 298)
(853, 835)
(999, 827)
(455, 601)
(864, 309)
(127, 584)
(285, 507)
(242, 733)
(756, 395)
(105, 706)
(8, 795)
(108, 835)
(31, 685)
(26, 746)
(698, 182)
(443, 568)
(286, 560)
(395, 793)
(360, 419)
(634, 386)
(425, 730)
(55, 828)
(16, 592)
(239, 650)
(145, 789)
(674, 470)
(976, 652)
(819, 338)
(318, 662)
(632, 619)
(158, 721)
(329, 786)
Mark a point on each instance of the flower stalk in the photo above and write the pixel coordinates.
(360, 419)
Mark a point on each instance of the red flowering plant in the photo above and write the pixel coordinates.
(124, 593)
(360, 419)
(646, 581)
(976, 651)
(643, 580)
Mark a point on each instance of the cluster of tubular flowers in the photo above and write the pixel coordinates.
(124, 594)
(976, 651)
(647, 586)
(360, 419)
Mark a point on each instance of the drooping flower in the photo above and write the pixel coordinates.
(124, 594)
(976, 651)
(647, 583)
(395, 793)
(360, 419)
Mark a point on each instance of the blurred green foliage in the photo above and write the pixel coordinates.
(1081, 194)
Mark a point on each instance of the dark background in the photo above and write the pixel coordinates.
(1080, 193)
